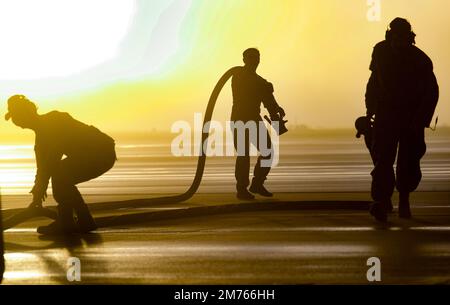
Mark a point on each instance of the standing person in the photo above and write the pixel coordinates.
(249, 91)
(89, 154)
(401, 96)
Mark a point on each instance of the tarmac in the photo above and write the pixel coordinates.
(294, 238)
(129, 212)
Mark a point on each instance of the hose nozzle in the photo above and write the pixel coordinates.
(278, 124)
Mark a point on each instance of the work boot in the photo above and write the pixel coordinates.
(244, 194)
(64, 224)
(404, 210)
(258, 188)
(86, 222)
(378, 210)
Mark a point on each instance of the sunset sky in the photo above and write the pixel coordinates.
(142, 65)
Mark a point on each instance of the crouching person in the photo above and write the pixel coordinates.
(88, 152)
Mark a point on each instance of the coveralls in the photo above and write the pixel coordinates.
(402, 92)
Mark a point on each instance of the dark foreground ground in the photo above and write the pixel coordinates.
(289, 246)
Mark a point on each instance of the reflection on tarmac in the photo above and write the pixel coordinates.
(254, 247)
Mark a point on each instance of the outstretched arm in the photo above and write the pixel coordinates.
(46, 161)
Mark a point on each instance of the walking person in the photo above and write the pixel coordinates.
(249, 91)
(401, 97)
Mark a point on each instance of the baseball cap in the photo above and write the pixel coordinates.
(15, 103)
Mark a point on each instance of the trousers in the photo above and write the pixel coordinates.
(261, 140)
(391, 142)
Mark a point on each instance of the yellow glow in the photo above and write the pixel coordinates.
(16, 174)
(19, 256)
(23, 275)
(31, 268)
(316, 53)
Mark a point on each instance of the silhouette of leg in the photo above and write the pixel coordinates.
(82, 170)
(260, 172)
(242, 167)
(63, 194)
(368, 139)
(69, 198)
(411, 149)
(262, 167)
(242, 170)
(384, 150)
(69, 172)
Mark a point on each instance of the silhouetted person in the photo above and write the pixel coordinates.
(401, 94)
(249, 90)
(88, 154)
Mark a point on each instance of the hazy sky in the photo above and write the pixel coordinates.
(139, 65)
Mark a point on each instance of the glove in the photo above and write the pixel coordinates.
(281, 112)
(370, 117)
(39, 195)
(278, 115)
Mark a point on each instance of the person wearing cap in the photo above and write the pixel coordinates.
(401, 97)
(88, 153)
